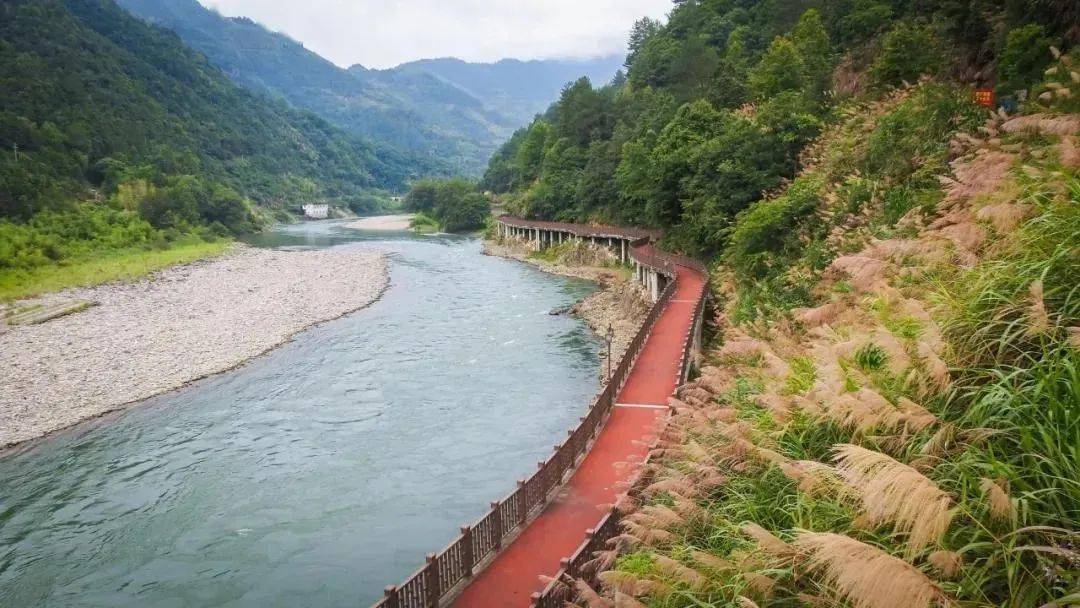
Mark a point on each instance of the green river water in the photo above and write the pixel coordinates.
(323, 471)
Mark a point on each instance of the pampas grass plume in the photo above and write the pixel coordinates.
(866, 576)
(948, 563)
(1001, 507)
(893, 492)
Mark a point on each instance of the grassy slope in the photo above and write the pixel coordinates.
(890, 417)
(119, 265)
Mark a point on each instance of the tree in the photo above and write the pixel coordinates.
(812, 43)
(467, 213)
(581, 114)
(1025, 56)
(781, 69)
(908, 51)
(530, 154)
(643, 29)
(453, 203)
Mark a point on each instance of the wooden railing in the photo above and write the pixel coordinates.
(558, 592)
(445, 573)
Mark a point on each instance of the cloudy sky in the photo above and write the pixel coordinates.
(384, 33)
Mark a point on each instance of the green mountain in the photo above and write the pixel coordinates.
(90, 92)
(518, 90)
(443, 109)
(117, 142)
(414, 112)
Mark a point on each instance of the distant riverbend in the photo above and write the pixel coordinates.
(314, 474)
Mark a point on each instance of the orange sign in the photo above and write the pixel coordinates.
(984, 97)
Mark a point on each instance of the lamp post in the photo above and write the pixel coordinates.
(610, 335)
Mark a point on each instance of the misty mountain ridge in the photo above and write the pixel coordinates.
(449, 111)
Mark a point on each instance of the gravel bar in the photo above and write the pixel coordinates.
(178, 325)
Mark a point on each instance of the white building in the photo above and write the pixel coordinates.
(316, 211)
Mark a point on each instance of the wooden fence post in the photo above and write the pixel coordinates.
(467, 556)
(497, 524)
(543, 483)
(433, 583)
(391, 597)
(522, 508)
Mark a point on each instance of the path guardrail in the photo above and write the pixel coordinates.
(445, 573)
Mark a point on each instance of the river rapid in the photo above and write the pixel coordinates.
(316, 474)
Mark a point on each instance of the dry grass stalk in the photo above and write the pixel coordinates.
(948, 563)
(624, 582)
(623, 600)
(814, 478)
(1001, 506)
(687, 507)
(766, 540)
(679, 572)
(745, 602)
(647, 535)
(911, 416)
(767, 455)
(678, 485)
(601, 561)
(560, 588)
(591, 598)
(866, 576)
(623, 542)
(942, 442)
(760, 584)
(697, 393)
(1038, 318)
(711, 562)
(893, 492)
(657, 516)
(815, 601)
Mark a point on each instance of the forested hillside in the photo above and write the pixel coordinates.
(720, 100)
(888, 414)
(114, 134)
(413, 108)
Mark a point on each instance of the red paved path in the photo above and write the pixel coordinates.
(556, 533)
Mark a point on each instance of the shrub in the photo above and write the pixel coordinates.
(1022, 61)
(765, 230)
(452, 204)
(908, 50)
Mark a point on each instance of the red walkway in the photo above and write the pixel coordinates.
(556, 533)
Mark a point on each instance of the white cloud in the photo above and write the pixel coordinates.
(383, 33)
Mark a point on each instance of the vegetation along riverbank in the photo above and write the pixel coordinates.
(147, 337)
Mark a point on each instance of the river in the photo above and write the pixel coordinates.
(323, 471)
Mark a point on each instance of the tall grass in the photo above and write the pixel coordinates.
(980, 503)
(118, 265)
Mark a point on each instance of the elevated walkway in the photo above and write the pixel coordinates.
(514, 575)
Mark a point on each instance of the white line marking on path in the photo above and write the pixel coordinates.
(648, 406)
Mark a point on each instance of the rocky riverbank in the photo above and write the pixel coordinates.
(148, 337)
(620, 303)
